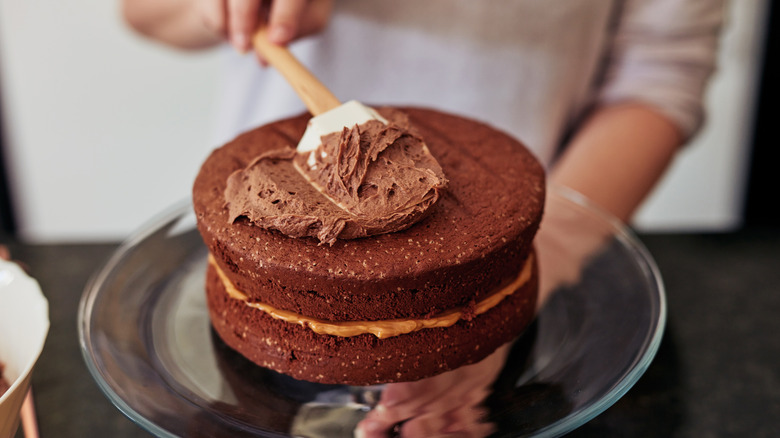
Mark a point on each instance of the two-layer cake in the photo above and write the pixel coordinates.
(404, 305)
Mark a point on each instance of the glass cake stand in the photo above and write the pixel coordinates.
(146, 339)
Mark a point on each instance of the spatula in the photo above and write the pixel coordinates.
(330, 115)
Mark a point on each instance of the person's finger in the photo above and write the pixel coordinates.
(463, 421)
(242, 19)
(4, 253)
(213, 15)
(284, 20)
(315, 17)
(405, 399)
(374, 426)
(383, 418)
(428, 424)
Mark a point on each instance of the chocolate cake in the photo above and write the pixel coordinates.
(426, 298)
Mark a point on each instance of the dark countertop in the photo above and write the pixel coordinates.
(717, 373)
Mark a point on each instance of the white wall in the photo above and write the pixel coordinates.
(105, 129)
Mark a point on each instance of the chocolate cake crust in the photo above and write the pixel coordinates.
(476, 236)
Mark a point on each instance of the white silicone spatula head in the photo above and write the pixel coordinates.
(346, 115)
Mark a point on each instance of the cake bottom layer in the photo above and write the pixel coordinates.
(364, 359)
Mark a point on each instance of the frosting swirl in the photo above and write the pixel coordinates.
(369, 179)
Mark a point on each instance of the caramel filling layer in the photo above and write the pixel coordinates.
(383, 328)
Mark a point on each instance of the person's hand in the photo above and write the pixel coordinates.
(566, 241)
(287, 20)
(5, 254)
(446, 404)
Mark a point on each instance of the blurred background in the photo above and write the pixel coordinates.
(102, 130)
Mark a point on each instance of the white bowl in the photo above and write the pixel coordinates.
(24, 324)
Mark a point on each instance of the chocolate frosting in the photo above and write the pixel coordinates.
(366, 180)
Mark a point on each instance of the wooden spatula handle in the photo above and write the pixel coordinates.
(316, 96)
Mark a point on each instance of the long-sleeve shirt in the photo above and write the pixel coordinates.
(532, 68)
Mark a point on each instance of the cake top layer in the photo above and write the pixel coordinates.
(495, 195)
(370, 179)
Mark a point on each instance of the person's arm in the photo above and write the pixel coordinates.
(649, 101)
(614, 159)
(197, 24)
(618, 155)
